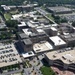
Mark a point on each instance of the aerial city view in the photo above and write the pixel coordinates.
(37, 37)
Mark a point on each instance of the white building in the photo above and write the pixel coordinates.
(28, 54)
(21, 26)
(57, 41)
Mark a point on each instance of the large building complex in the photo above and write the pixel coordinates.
(38, 34)
(59, 10)
(32, 37)
(64, 58)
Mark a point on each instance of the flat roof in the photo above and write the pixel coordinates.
(22, 24)
(42, 46)
(23, 35)
(32, 25)
(40, 30)
(54, 24)
(27, 31)
(28, 54)
(53, 28)
(16, 16)
(9, 55)
(5, 7)
(57, 40)
(65, 55)
(27, 42)
(69, 37)
(59, 9)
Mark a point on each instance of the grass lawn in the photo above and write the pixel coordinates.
(42, 7)
(7, 16)
(49, 16)
(47, 70)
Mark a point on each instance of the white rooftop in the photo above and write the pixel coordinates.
(40, 30)
(32, 25)
(54, 24)
(22, 24)
(27, 31)
(53, 28)
(16, 16)
(5, 7)
(33, 22)
(42, 46)
(57, 40)
(28, 54)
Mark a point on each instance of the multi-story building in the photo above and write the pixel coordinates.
(57, 42)
(64, 58)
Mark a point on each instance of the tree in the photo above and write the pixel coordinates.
(73, 24)
(64, 20)
(57, 19)
(11, 23)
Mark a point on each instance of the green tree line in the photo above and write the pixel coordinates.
(53, 2)
(40, 2)
(11, 2)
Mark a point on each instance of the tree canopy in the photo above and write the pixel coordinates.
(73, 24)
(40, 2)
(52, 2)
(11, 2)
(12, 23)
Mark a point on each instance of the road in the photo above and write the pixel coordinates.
(28, 71)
